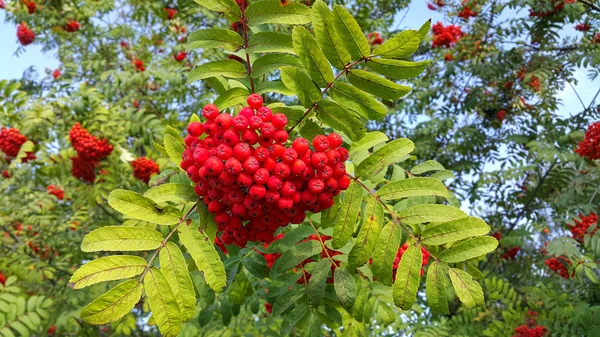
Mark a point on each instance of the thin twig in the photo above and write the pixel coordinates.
(321, 242)
(244, 20)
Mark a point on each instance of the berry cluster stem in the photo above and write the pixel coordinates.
(165, 240)
(395, 218)
(329, 86)
(245, 31)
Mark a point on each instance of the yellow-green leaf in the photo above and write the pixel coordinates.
(351, 35)
(174, 268)
(469, 291)
(298, 82)
(357, 100)
(171, 192)
(346, 121)
(408, 277)
(316, 284)
(414, 187)
(312, 56)
(368, 234)
(327, 37)
(228, 8)
(271, 62)
(400, 46)
(430, 213)
(121, 238)
(469, 249)
(368, 141)
(385, 252)
(345, 288)
(377, 85)
(397, 69)
(139, 207)
(435, 289)
(174, 148)
(200, 247)
(271, 11)
(114, 304)
(270, 42)
(347, 215)
(215, 38)
(165, 309)
(393, 152)
(225, 68)
(231, 97)
(107, 268)
(454, 231)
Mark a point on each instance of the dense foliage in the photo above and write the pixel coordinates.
(275, 167)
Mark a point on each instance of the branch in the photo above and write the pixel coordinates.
(164, 242)
(590, 5)
(346, 69)
(321, 242)
(245, 31)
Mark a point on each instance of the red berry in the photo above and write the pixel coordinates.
(195, 129)
(214, 166)
(316, 185)
(321, 143)
(255, 122)
(250, 137)
(255, 101)
(282, 170)
(288, 189)
(335, 140)
(265, 113)
(224, 152)
(233, 166)
(241, 151)
(224, 121)
(285, 204)
(240, 123)
(251, 165)
(244, 180)
(280, 136)
(298, 167)
(289, 155)
(274, 183)
(257, 192)
(343, 183)
(300, 145)
(261, 176)
(210, 111)
(343, 153)
(279, 120)
(247, 112)
(319, 160)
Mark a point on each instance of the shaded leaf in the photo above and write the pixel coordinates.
(174, 268)
(347, 215)
(468, 290)
(357, 100)
(312, 56)
(345, 288)
(327, 37)
(435, 288)
(352, 37)
(346, 121)
(385, 252)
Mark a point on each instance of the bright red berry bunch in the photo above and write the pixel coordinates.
(180, 57)
(58, 192)
(583, 27)
(590, 146)
(31, 6)
(247, 170)
(580, 228)
(170, 13)
(445, 36)
(2, 279)
(374, 38)
(2, 4)
(90, 151)
(11, 141)
(511, 253)
(138, 64)
(56, 74)
(559, 265)
(466, 13)
(72, 26)
(544, 13)
(24, 34)
(143, 168)
(401, 252)
(530, 329)
(325, 254)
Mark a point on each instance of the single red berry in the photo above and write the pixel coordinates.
(250, 137)
(262, 153)
(289, 155)
(282, 170)
(195, 129)
(339, 170)
(333, 157)
(276, 151)
(270, 164)
(231, 137)
(267, 129)
(265, 113)
(240, 123)
(242, 151)
(280, 136)
(325, 172)
(244, 180)
(309, 198)
(319, 160)
(331, 184)
(335, 140)
(233, 166)
(320, 143)
(261, 176)
(247, 112)
(255, 122)
(343, 183)
(251, 165)
(298, 167)
(279, 120)
(255, 101)
(343, 153)
(210, 111)
(288, 189)
(316, 185)
(257, 192)
(214, 166)
(224, 121)
(285, 204)
(274, 183)
(272, 197)
(224, 152)
(300, 145)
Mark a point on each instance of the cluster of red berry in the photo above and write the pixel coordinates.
(56, 74)
(559, 265)
(401, 252)
(2, 279)
(143, 168)
(270, 257)
(90, 151)
(374, 38)
(580, 228)
(590, 146)
(139, 64)
(58, 192)
(244, 172)
(72, 26)
(583, 27)
(24, 34)
(511, 253)
(501, 116)
(11, 141)
(31, 6)
(466, 13)
(6, 174)
(180, 57)
(436, 4)
(325, 254)
(544, 13)
(170, 12)
(530, 329)
(2, 4)
(445, 36)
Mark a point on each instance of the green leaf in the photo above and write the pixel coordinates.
(400, 46)
(174, 149)
(454, 231)
(316, 284)
(273, 86)
(270, 42)
(300, 313)
(369, 233)
(271, 11)
(469, 249)
(215, 38)
(376, 85)
(293, 256)
(346, 121)
(271, 62)
(165, 309)
(345, 288)
(174, 268)
(139, 207)
(298, 82)
(368, 141)
(469, 291)
(231, 97)
(171, 192)
(228, 8)
(120, 238)
(107, 268)
(430, 213)
(200, 247)
(393, 152)
(312, 56)
(424, 30)
(427, 166)
(114, 304)
(351, 35)
(385, 252)
(414, 187)
(255, 264)
(225, 68)
(309, 129)
(397, 69)
(347, 215)
(435, 288)
(327, 37)
(287, 300)
(408, 277)
(218, 84)
(357, 100)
